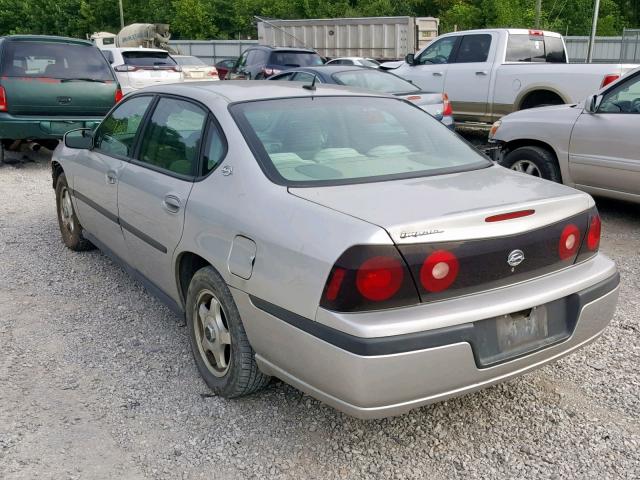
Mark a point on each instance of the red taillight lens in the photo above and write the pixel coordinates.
(447, 109)
(609, 79)
(593, 235)
(3, 100)
(439, 271)
(569, 242)
(369, 277)
(118, 95)
(536, 33)
(213, 73)
(379, 278)
(509, 216)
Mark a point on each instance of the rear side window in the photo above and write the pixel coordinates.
(295, 59)
(172, 139)
(216, 148)
(116, 135)
(54, 60)
(474, 49)
(147, 59)
(535, 48)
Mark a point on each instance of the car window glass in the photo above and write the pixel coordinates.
(437, 52)
(242, 60)
(54, 60)
(304, 77)
(117, 133)
(374, 80)
(474, 48)
(147, 59)
(171, 140)
(334, 140)
(215, 149)
(525, 48)
(108, 55)
(295, 59)
(554, 50)
(624, 98)
(283, 76)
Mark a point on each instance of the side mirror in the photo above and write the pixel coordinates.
(81, 138)
(410, 58)
(592, 103)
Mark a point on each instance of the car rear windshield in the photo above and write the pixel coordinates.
(295, 59)
(535, 48)
(148, 59)
(54, 60)
(339, 140)
(374, 80)
(188, 61)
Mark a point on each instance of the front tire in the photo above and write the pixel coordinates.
(535, 161)
(219, 342)
(70, 228)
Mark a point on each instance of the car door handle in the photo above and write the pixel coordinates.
(481, 72)
(437, 74)
(112, 177)
(171, 204)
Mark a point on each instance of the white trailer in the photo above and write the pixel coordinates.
(382, 38)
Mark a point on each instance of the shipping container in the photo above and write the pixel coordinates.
(382, 38)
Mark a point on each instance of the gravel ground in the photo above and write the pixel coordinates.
(97, 382)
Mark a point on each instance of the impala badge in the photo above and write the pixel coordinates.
(515, 258)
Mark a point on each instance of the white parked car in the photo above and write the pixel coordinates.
(490, 73)
(195, 69)
(142, 67)
(357, 61)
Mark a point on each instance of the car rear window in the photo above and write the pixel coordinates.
(339, 140)
(374, 80)
(535, 48)
(295, 59)
(147, 59)
(188, 61)
(54, 60)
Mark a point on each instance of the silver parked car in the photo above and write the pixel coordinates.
(345, 242)
(593, 146)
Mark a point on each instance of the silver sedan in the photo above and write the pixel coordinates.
(593, 146)
(345, 242)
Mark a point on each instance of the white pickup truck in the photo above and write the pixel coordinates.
(490, 73)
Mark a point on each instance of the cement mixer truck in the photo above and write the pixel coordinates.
(147, 35)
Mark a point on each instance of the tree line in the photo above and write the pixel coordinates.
(224, 19)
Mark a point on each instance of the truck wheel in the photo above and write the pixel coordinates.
(219, 343)
(70, 228)
(535, 161)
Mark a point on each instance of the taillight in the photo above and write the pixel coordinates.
(612, 77)
(439, 271)
(213, 72)
(267, 71)
(569, 242)
(593, 235)
(125, 68)
(3, 100)
(118, 95)
(369, 277)
(536, 33)
(447, 110)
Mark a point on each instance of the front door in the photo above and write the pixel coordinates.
(605, 151)
(469, 77)
(155, 187)
(430, 66)
(97, 174)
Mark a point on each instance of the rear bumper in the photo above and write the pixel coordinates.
(22, 127)
(372, 377)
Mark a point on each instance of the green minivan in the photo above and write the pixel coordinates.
(50, 85)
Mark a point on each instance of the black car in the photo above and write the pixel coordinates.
(260, 62)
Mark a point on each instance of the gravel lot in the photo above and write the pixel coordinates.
(97, 381)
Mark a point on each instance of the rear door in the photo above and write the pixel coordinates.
(431, 65)
(604, 152)
(469, 76)
(155, 187)
(56, 78)
(96, 174)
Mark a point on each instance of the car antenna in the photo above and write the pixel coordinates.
(311, 87)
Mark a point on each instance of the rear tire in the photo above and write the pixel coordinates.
(535, 161)
(70, 228)
(219, 342)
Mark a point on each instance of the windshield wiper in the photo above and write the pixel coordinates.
(62, 80)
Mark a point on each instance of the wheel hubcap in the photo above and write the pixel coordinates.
(526, 166)
(212, 333)
(66, 211)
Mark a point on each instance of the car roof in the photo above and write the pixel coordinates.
(47, 38)
(282, 49)
(247, 90)
(135, 49)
